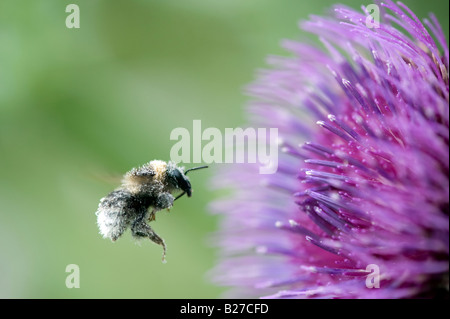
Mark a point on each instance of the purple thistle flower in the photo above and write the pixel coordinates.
(363, 174)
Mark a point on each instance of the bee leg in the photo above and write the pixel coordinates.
(140, 229)
(164, 200)
(158, 240)
(152, 216)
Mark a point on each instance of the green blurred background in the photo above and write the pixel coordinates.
(79, 106)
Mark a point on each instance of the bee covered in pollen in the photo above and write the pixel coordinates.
(144, 191)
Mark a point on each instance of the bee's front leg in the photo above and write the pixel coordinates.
(164, 200)
(152, 216)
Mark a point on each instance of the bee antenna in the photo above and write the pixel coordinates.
(195, 168)
(179, 196)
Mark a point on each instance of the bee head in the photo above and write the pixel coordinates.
(179, 179)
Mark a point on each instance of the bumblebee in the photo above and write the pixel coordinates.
(144, 191)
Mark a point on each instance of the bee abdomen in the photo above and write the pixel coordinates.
(114, 214)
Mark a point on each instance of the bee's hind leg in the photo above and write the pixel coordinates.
(140, 229)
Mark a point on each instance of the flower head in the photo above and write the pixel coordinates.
(362, 181)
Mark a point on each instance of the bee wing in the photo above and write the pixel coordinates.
(106, 177)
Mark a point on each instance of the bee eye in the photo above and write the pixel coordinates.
(181, 181)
